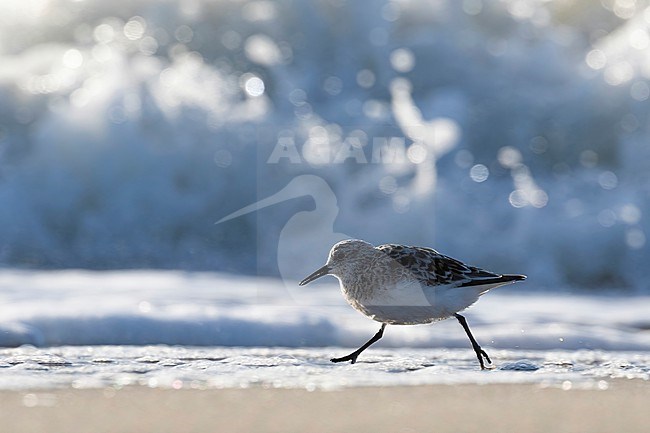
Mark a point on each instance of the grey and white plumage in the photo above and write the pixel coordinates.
(405, 285)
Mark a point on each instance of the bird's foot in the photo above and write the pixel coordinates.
(480, 354)
(351, 357)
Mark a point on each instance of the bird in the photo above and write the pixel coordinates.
(406, 285)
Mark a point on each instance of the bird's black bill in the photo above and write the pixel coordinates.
(319, 273)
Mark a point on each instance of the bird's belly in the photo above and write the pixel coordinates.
(412, 305)
(405, 315)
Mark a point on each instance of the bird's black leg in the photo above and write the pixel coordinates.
(480, 353)
(353, 356)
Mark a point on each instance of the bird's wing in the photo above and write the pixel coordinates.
(434, 269)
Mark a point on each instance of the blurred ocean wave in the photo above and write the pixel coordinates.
(519, 132)
(143, 307)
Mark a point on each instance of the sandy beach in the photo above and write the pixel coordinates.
(623, 406)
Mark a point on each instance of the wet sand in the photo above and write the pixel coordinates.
(623, 407)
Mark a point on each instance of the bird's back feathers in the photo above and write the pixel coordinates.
(434, 269)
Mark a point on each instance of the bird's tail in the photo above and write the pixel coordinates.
(486, 284)
(496, 280)
(512, 277)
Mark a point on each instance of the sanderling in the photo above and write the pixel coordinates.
(402, 285)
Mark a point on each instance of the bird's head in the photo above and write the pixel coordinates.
(344, 258)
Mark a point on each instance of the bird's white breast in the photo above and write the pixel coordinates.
(401, 293)
(407, 302)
